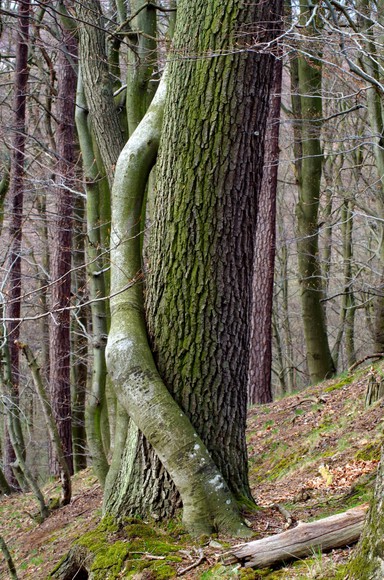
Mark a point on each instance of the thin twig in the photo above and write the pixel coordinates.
(194, 565)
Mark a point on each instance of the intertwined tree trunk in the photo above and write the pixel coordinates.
(208, 130)
(210, 170)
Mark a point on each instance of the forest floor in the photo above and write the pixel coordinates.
(314, 453)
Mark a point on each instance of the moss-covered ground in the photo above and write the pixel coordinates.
(313, 453)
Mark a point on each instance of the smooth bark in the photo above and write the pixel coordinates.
(79, 338)
(142, 65)
(307, 107)
(97, 289)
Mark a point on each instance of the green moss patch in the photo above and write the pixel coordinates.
(370, 452)
(339, 384)
(129, 549)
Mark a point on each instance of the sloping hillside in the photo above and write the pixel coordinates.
(311, 454)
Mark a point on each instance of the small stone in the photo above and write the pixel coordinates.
(214, 544)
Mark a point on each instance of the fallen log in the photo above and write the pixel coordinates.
(333, 532)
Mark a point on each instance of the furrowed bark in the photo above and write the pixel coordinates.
(207, 502)
(209, 176)
(260, 362)
(60, 348)
(97, 86)
(16, 194)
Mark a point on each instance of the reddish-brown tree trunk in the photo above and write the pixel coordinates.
(61, 251)
(16, 193)
(260, 362)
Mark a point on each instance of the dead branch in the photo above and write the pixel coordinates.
(332, 532)
(360, 362)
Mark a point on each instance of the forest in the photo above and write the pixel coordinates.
(192, 227)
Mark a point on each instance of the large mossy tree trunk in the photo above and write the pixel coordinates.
(208, 504)
(198, 299)
(306, 75)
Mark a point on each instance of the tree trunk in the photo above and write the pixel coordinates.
(201, 258)
(8, 559)
(369, 59)
(98, 87)
(368, 561)
(62, 247)
(130, 484)
(97, 289)
(307, 106)
(260, 364)
(141, 85)
(79, 340)
(51, 423)
(347, 313)
(207, 501)
(16, 194)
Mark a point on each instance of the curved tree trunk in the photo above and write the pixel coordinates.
(133, 486)
(207, 501)
(201, 259)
